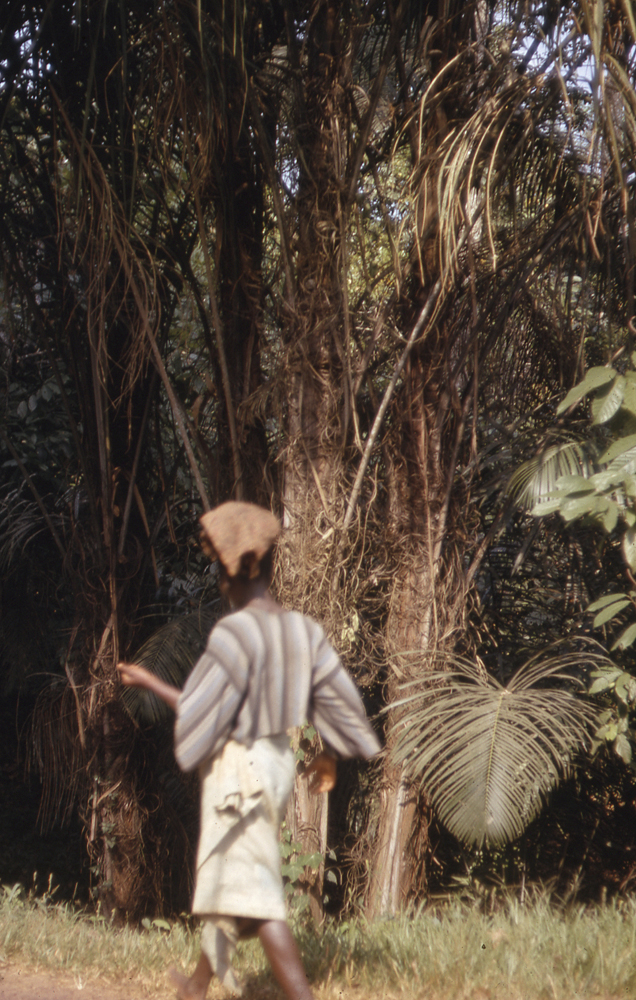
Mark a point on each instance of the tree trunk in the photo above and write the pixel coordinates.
(390, 878)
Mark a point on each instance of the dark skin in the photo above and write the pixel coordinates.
(249, 589)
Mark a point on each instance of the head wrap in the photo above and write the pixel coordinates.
(236, 528)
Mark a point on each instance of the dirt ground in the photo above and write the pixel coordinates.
(23, 984)
(17, 983)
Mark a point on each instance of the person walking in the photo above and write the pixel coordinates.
(264, 671)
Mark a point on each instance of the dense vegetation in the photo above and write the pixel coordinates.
(345, 259)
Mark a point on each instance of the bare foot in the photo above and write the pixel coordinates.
(186, 988)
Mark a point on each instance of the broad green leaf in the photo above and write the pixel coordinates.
(608, 732)
(600, 684)
(618, 448)
(594, 378)
(625, 688)
(574, 484)
(623, 748)
(602, 481)
(292, 871)
(313, 860)
(546, 507)
(626, 638)
(610, 672)
(610, 517)
(603, 601)
(607, 402)
(629, 548)
(629, 397)
(570, 510)
(610, 611)
(535, 480)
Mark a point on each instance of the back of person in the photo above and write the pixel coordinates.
(261, 674)
(263, 671)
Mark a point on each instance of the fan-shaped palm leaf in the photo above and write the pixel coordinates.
(488, 754)
(170, 653)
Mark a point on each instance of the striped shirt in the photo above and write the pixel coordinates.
(262, 673)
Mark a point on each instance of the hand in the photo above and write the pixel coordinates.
(321, 774)
(132, 675)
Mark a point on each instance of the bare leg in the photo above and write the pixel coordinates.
(284, 958)
(196, 987)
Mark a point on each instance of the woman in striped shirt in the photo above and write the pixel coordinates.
(264, 671)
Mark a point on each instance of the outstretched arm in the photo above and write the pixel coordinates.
(134, 675)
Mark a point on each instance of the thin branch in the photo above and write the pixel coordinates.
(176, 410)
(424, 315)
(135, 466)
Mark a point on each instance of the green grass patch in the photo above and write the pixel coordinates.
(530, 952)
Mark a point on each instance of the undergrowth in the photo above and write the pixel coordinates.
(521, 952)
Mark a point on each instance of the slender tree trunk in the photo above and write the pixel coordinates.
(423, 614)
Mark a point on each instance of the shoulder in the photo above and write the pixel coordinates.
(236, 640)
(297, 619)
(238, 624)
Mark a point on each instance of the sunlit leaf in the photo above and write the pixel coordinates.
(625, 688)
(570, 510)
(609, 612)
(629, 397)
(629, 548)
(603, 601)
(594, 378)
(610, 517)
(623, 748)
(607, 402)
(618, 448)
(599, 685)
(626, 638)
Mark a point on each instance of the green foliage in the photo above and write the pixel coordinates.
(604, 497)
(295, 862)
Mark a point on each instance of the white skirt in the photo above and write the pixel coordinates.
(244, 793)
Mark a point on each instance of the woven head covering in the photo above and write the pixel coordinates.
(236, 528)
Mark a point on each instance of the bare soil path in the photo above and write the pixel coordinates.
(22, 984)
(17, 983)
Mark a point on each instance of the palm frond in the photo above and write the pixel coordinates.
(536, 479)
(487, 754)
(170, 653)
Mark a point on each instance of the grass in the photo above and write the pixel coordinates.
(518, 953)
